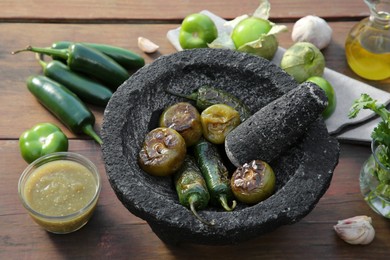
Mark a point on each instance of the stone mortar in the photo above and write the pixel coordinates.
(303, 172)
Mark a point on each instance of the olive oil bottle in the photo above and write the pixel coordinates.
(367, 46)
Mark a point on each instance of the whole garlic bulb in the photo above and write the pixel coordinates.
(312, 29)
(356, 230)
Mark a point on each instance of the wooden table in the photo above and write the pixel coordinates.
(113, 232)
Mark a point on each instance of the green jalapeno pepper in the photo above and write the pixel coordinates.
(218, 121)
(184, 118)
(64, 104)
(42, 139)
(86, 89)
(84, 59)
(206, 96)
(124, 57)
(191, 188)
(215, 174)
(253, 182)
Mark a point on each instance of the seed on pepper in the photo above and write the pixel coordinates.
(218, 121)
(253, 182)
(163, 152)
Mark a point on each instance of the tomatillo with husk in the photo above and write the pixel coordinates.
(40, 140)
(253, 182)
(302, 61)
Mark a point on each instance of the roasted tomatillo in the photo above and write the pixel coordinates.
(42, 139)
(185, 119)
(253, 182)
(162, 152)
(218, 121)
(196, 31)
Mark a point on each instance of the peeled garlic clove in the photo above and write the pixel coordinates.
(355, 230)
(312, 29)
(147, 45)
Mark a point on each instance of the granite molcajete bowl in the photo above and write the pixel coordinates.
(303, 172)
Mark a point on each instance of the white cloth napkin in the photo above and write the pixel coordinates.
(346, 89)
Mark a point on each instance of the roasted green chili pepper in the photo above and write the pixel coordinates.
(191, 188)
(42, 139)
(184, 118)
(218, 121)
(86, 89)
(64, 104)
(215, 173)
(206, 96)
(126, 58)
(82, 58)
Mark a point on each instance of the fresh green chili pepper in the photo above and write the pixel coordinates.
(64, 104)
(215, 173)
(206, 96)
(124, 57)
(191, 188)
(42, 139)
(86, 89)
(82, 58)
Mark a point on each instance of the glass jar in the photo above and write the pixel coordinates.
(367, 46)
(373, 178)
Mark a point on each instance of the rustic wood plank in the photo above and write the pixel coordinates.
(16, 69)
(113, 232)
(122, 10)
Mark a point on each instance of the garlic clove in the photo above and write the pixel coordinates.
(312, 29)
(147, 45)
(356, 230)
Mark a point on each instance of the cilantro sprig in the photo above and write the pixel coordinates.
(381, 133)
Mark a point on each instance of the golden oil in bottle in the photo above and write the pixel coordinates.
(367, 46)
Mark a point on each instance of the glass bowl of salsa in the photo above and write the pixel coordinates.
(60, 191)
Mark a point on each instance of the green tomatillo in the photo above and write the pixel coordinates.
(197, 30)
(330, 94)
(42, 139)
(249, 30)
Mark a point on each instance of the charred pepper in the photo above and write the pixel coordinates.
(191, 188)
(206, 96)
(215, 174)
